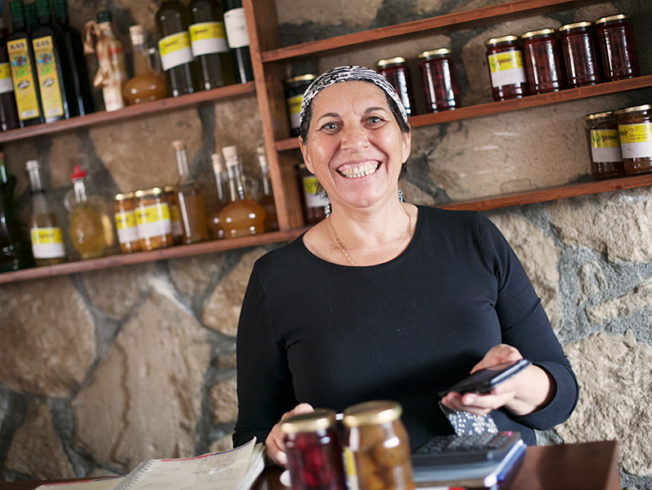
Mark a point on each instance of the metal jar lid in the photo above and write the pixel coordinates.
(397, 60)
(539, 32)
(154, 191)
(638, 108)
(611, 18)
(434, 52)
(308, 77)
(575, 25)
(500, 40)
(123, 196)
(320, 419)
(374, 412)
(598, 115)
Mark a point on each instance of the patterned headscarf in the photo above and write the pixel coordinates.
(346, 74)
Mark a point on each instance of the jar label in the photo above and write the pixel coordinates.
(48, 78)
(636, 140)
(47, 243)
(175, 50)
(605, 146)
(208, 37)
(506, 68)
(153, 220)
(5, 79)
(24, 80)
(350, 470)
(236, 28)
(294, 108)
(314, 198)
(125, 223)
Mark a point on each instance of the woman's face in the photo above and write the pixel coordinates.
(354, 145)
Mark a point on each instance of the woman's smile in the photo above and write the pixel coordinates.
(358, 169)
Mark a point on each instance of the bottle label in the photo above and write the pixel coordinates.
(125, 223)
(506, 68)
(314, 198)
(207, 38)
(175, 50)
(47, 243)
(23, 77)
(605, 146)
(294, 108)
(48, 78)
(636, 140)
(153, 220)
(6, 84)
(236, 28)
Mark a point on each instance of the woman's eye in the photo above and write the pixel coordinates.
(375, 120)
(329, 126)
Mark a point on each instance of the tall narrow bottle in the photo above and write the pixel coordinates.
(23, 69)
(236, 33)
(145, 84)
(191, 200)
(47, 239)
(177, 60)
(221, 180)
(242, 216)
(266, 200)
(31, 18)
(209, 45)
(8, 110)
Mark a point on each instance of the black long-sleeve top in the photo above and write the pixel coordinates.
(333, 335)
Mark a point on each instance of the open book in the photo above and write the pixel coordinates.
(235, 469)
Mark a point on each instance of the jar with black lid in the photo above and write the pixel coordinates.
(505, 62)
(438, 77)
(635, 132)
(395, 70)
(604, 145)
(617, 48)
(542, 61)
(295, 87)
(579, 54)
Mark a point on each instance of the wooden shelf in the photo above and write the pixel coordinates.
(147, 108)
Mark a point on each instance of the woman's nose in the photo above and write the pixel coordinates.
(354, 137)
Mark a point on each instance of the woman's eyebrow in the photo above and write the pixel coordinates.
(328, 114)
(372, 109)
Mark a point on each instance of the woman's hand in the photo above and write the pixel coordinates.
(274, 442)
(521, 394)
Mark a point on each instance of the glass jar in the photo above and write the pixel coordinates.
(313, 200)
(617, 48)
(395, 70)
(295, 87)
(635, 132)
(153, 219)
(313, 451)
(579, 54)
(175, 213)
(376, 447)
(125, 222)
(542, 61)
(438, 77)
(604, 145)
(505, 63)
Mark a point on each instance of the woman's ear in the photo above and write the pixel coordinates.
(304, 153)
(407, 144)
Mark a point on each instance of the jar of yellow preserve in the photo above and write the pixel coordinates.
(153, 219)
(125, 222)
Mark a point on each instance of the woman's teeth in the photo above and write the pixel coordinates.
(359, 170)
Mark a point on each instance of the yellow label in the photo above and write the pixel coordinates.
(153, 213)
(349, 469)
(175, 42)
(24, 79)
(635, 133)
(310, 185)
(48, 78)
(125, 220)
(5, 71)
(604, 138)
(207, 30)
(510, 60)
(45, 236)
(294, 104)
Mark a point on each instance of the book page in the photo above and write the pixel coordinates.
(103, 484)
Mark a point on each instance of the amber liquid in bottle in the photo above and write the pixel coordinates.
(191, 200)
(267, 199)
(86, 228)
(221, 180)
(146, 85)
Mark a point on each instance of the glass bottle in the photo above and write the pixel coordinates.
(191, 200)
(145, 84)
(617, 48)
(221, 180)
(8, 110)
(242, 216)
(30, 17)
(313, 201)
(266, 200)
(80, 99)
(604, 145)
(542, 61)
(47, 239)
(86, 229)
(396, 72)
(236, 34)
(295, 87)
(209, 45)
(177, 60)
(506, 71)
(23, 69)
(579, 54)
(171, 197)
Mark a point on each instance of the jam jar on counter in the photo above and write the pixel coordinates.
(294, 90)
(635, 132)
(395, 70)
(438, 77)
(505, 62)
(313, 451)
(542, 61)
(579, 54)
(617, 48)
(604, 145)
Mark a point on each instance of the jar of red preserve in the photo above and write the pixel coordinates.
(438, 76)
(617, 49)
(505, 62)
(395, 70)
(313, 450)
(604, 145)
(542, 61)
(579, 54)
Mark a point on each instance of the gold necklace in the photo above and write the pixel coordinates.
(340, 246)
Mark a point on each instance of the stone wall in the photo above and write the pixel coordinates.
(100, 370)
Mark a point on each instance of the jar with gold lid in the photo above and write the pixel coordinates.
(153, 219)
(125, 222)
(617, 49)
(395, 70)
(376, 447)
(635, 132)
(506, 71)
(295, 87)
(438, 78)
(542, 61)
(604, 145)
(580, 58)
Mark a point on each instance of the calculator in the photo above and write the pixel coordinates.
(474, 448)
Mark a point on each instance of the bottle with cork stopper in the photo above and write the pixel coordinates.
(191, 200)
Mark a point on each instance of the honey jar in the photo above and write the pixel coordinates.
(395, 70)
(153, 219)
(125, 222)
(617, 50)
(542, 61)
(604, 145)
(505, 62)
(438, 77)
(635, 132)
(579, 54)
(295, 87)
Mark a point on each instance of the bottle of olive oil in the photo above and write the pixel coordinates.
(23, 69)
(8, 110)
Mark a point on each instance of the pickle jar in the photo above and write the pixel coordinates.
(313, 450)
(376, 447)
(505, 62)
(313, 199)
(395, 70)
(153, 219)
(295, 87)
(542, 61)
(438, 78)
(175, 213)
(617, 48)
(125, 222)
(604, 145)
(578, 49)
(635, 132)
